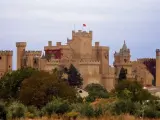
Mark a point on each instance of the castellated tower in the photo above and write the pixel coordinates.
(20, 53)
(158, 67)
(5, 62)
(81, 44)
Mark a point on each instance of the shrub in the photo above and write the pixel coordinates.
(98, 111)
(16, 110)
(87, 110)
(57, 106)
(122, 106)
(2, 111)
(32, 112)
(96, 91)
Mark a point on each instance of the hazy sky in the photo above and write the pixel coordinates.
(112, 22)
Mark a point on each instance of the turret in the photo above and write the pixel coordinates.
(158, 67)
(5, 61)
(81, 33)
(20, 52)
(82, 44)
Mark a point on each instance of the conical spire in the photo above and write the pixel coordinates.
(124, 46)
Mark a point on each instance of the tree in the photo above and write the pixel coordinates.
(74, 77)
(96, 91)
(132, 90)
(42, 86)
(10, 83)
(122, 74)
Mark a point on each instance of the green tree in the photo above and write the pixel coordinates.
(42, 86)
(10, 83)
(132, 90)
(74, 77)
(122, 74)
(96, 91)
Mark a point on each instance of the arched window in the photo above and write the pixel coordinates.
(0, 57)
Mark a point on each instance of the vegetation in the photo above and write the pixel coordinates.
(122, 74)
(10, 83)
(39, 89)
(74, 77)
(29, 93)
(96, 91)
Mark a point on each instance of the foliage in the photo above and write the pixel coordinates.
(16, 110)
(32, 112)
(96, 91)
(3, 111)
(72, 114)
(74, 77)
(42, 86)
(10, 83)
(122, 106)
(132, 90)
(87, 110)
(57, 106)
(122, 74)
(98, 111)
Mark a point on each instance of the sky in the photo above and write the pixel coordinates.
(112, 21)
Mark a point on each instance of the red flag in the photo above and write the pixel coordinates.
(84, 25)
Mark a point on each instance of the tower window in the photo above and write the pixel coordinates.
(125, 60)
(9, 66)
(0, 57)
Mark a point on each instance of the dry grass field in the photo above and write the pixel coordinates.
(107, 117)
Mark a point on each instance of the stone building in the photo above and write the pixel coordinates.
(91, 61)
(158, 67)
(136, 70)
(5, 62)
(122, 59)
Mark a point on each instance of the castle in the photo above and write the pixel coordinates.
(91, 61)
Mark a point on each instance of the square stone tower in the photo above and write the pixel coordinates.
(5, 62)
(158, 67)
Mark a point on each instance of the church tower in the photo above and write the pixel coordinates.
(122, 59)
(158, 67)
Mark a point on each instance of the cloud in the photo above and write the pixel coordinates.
(112, 21)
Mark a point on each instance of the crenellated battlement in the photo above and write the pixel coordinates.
(6, 53)
(81, 33)
(53, 62)
(21, 44)
(145, 59)
(33, 53)
(157, 52)
(89, 62)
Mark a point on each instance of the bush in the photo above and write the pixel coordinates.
(87, 110)
(98, 111)
(121, 106)
(96, 91)
(2, 111)
(132, 90)
(57, 106)
(32, 112)
(16, 110)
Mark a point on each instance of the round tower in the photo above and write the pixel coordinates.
(158, 67)
(20, 52)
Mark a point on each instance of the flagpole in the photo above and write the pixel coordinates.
(74, 28)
